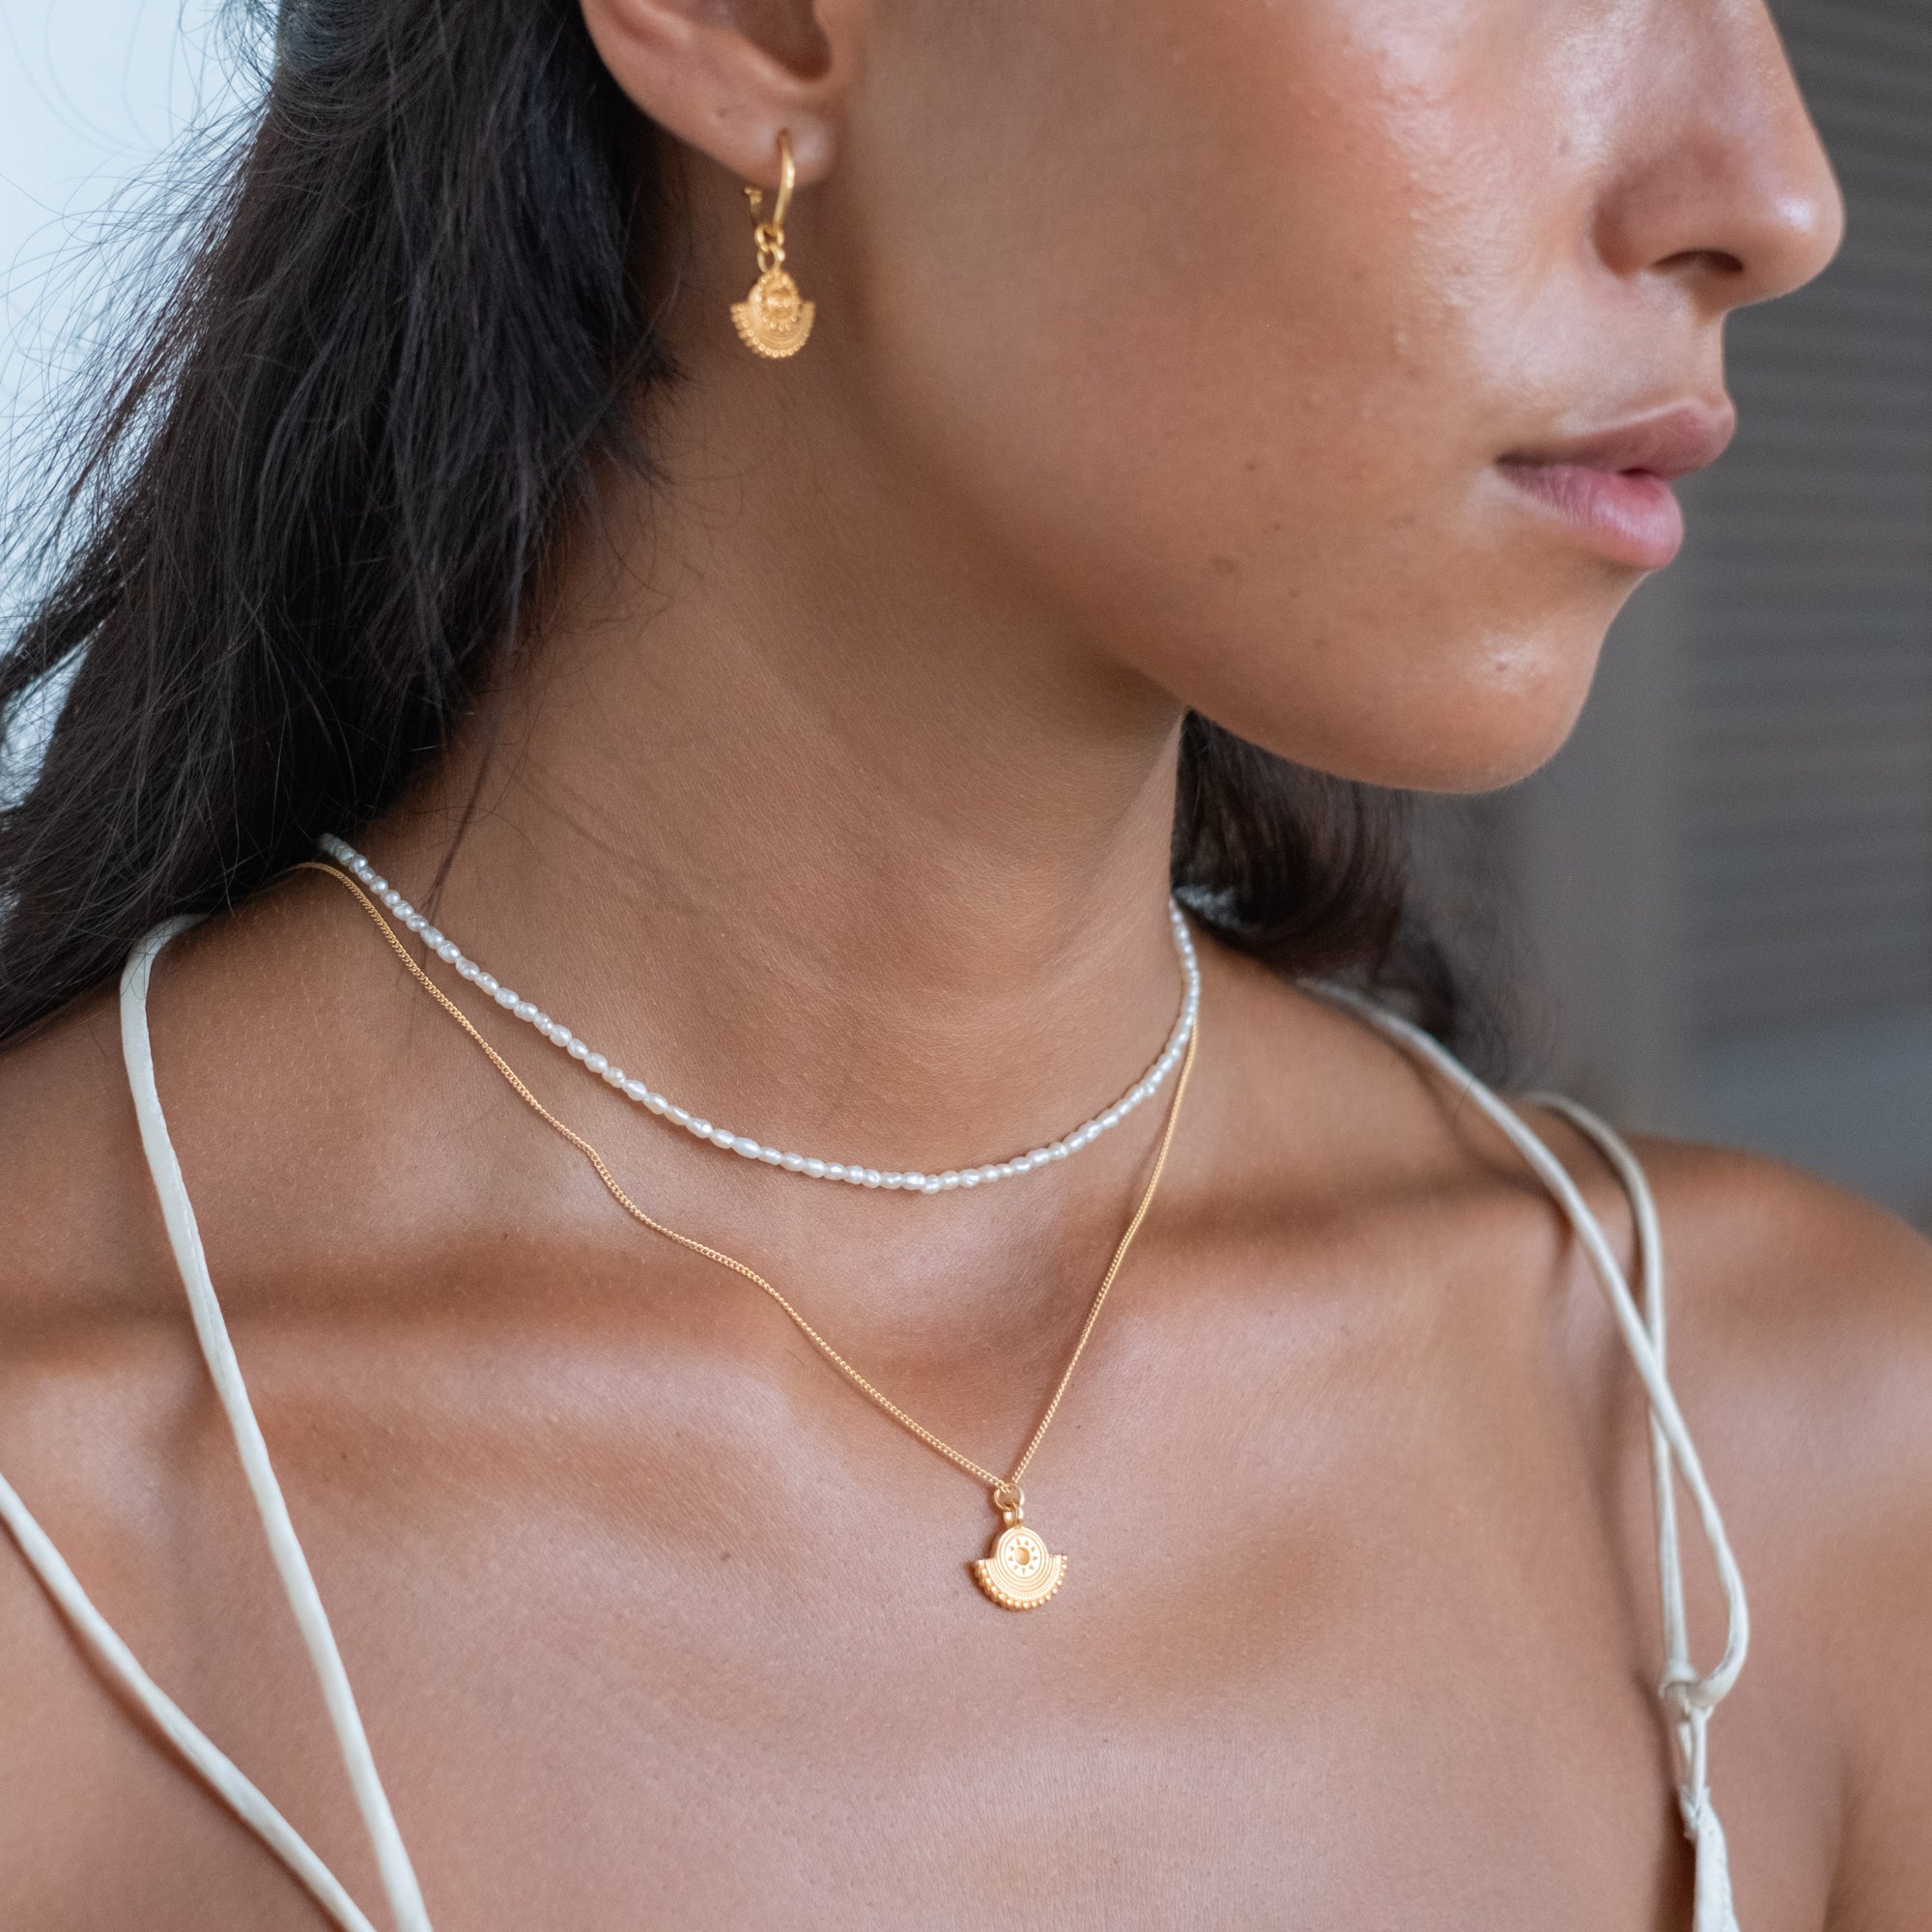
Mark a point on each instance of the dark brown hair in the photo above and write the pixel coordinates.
(315, 509)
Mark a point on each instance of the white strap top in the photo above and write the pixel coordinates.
(1690, 1696)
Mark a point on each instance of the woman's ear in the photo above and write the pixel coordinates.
(726, 76)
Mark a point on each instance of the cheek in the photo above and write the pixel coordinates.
(1220, 341)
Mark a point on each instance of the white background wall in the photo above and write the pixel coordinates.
(92, 91)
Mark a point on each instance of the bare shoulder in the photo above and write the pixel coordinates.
(1800, 1354)
(1801, 1350)
(1793, 1294)
(74, 1233)
(92, 1364)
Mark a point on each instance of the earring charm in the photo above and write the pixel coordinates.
(773, 320)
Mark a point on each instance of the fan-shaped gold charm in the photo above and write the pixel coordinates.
(773, 320)
(1019, 1572)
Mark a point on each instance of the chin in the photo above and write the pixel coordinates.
(1468, 716)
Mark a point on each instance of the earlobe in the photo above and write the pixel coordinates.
(726, 76)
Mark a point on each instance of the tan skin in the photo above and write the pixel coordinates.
(1166, 351)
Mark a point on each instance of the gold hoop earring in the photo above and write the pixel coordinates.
(773, 320)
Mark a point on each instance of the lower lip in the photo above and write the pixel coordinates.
(1630, 516)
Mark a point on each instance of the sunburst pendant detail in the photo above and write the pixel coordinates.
(773, 320)
(1019, 1572)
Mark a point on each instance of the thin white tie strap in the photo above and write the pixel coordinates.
(105, 1645)
(1688, 1696)
(399, 1879)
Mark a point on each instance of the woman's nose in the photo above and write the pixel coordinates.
(1727, 189)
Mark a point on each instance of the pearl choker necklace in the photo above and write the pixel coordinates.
(852, 1173)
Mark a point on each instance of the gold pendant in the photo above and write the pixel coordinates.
(1019, 1572)
(773, 320)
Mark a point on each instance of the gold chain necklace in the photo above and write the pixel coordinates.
(1019, 1573)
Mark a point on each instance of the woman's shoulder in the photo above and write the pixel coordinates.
(1786, 1285)
(1799, 1348)
(92, 1337)
(77, 1237)
(1799, 1341)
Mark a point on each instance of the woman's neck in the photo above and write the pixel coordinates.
(802, 808)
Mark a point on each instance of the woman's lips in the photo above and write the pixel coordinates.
(1631, 516)
(1613, 488)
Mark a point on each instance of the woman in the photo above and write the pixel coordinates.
(807, 728)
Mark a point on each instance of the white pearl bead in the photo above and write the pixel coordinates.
(447, 951)
(577, 1049)
(917, 1181)
(701, 1129)
(793, 1163)
(816, 1170)
(834, 1170)
(871, 1177)
(504, 997)
(595, 1062)
(614, 1076)
(485, 984)
(771, 1157)
(744, 1144)
(950, 1180)
(526, 1009)
(636, 1089)
(677, 1115)
(657, 1104)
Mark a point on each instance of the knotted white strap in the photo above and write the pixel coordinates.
(1689, 1696)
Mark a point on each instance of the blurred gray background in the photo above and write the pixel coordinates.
(1715, 909)
(1722, 888)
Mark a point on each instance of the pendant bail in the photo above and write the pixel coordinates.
(1010, 1499)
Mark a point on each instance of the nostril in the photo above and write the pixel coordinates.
(1702, 262)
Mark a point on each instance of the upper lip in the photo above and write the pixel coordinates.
(1667, 443)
